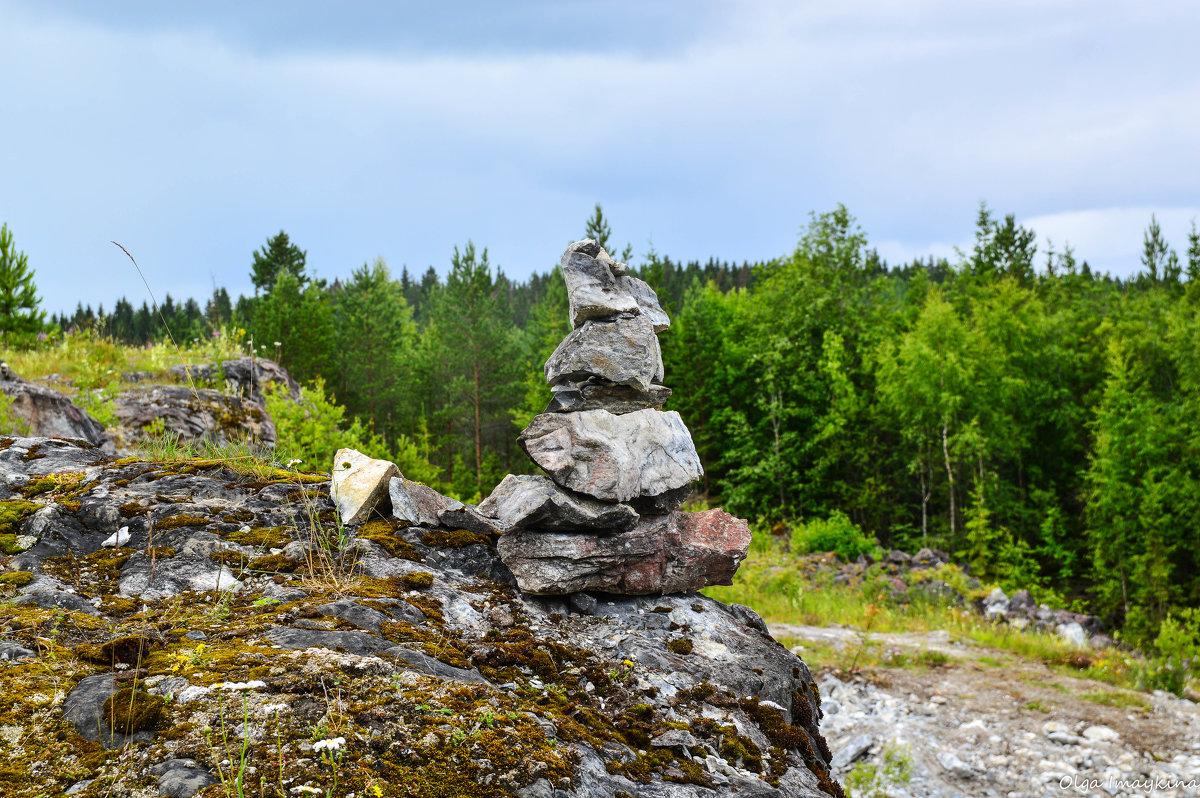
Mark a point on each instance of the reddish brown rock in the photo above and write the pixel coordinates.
(662, 554)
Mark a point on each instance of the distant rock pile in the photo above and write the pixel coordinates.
(607, 516)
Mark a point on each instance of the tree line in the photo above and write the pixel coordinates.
(1038, 420)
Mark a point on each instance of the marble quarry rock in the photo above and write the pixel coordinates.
(606, 517)
(663, 554)
(614, 457)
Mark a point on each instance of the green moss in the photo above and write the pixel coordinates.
(385, 534)
(129, 649)
(273, 563)
(177, 521)
(417, 580)
(131, 509)
(94, 574)
(430, 641)
(270, 537)
(680, 645)
(160, 552)
(13, 512)
(230, 557)
(130, 710)
(237, 516)
(118, 605)
(459, 538)
(16, 578)
(37, 486)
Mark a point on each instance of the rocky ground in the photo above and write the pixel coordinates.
(982, 722)
(173, 629)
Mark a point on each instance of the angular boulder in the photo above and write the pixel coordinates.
(245, 377)
(534, 501)
(592, 288)
(420, 505)
(47, 413)
(359, 483)
(614, 457)
(662, 554)
(193, 415)
(623, 350)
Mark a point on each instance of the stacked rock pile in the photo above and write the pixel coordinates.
(607, 516)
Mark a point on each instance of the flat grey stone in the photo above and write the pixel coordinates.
(623, 350)
(184, 782)
(84, 708)
(854, 749)
(171, 764)
(534, 501)
(614, 457)
(171, 576)
(360, 616)
(434, 666)
(596, 394)
(359, 643)
(420, 505)
(10, 650)
(675, 738)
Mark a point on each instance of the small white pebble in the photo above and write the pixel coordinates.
(118, 538)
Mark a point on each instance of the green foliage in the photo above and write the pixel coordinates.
(1178, 653)
(312, 430)
(12, 422)
(837, 533)
(294, 326)
(474, 351)
(278, 257)
(895, 771)
(19, 301)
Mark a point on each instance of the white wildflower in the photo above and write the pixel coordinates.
(334, 744)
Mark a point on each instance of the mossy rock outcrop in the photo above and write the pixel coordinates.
(376, 660)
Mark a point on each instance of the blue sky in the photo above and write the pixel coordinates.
(190, 132)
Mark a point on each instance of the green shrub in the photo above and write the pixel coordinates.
(837, 533)
(878, 781)
(313, 429)
(1178, 648)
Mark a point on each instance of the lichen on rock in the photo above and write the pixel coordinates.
(409, 644)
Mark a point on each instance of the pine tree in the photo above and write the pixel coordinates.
(1154, 251)
(18, 295)
(279, 255)
(1193, 254)
(474, 359)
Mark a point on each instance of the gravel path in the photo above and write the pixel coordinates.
(1015, 729)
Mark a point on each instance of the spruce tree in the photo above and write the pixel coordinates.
(18, 295)
(279, 255)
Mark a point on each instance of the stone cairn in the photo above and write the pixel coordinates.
(607, 517)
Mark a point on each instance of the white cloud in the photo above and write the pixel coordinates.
(192, 147)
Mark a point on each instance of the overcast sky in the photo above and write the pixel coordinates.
(192, 131)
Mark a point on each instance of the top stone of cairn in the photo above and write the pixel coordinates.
(599, 287)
